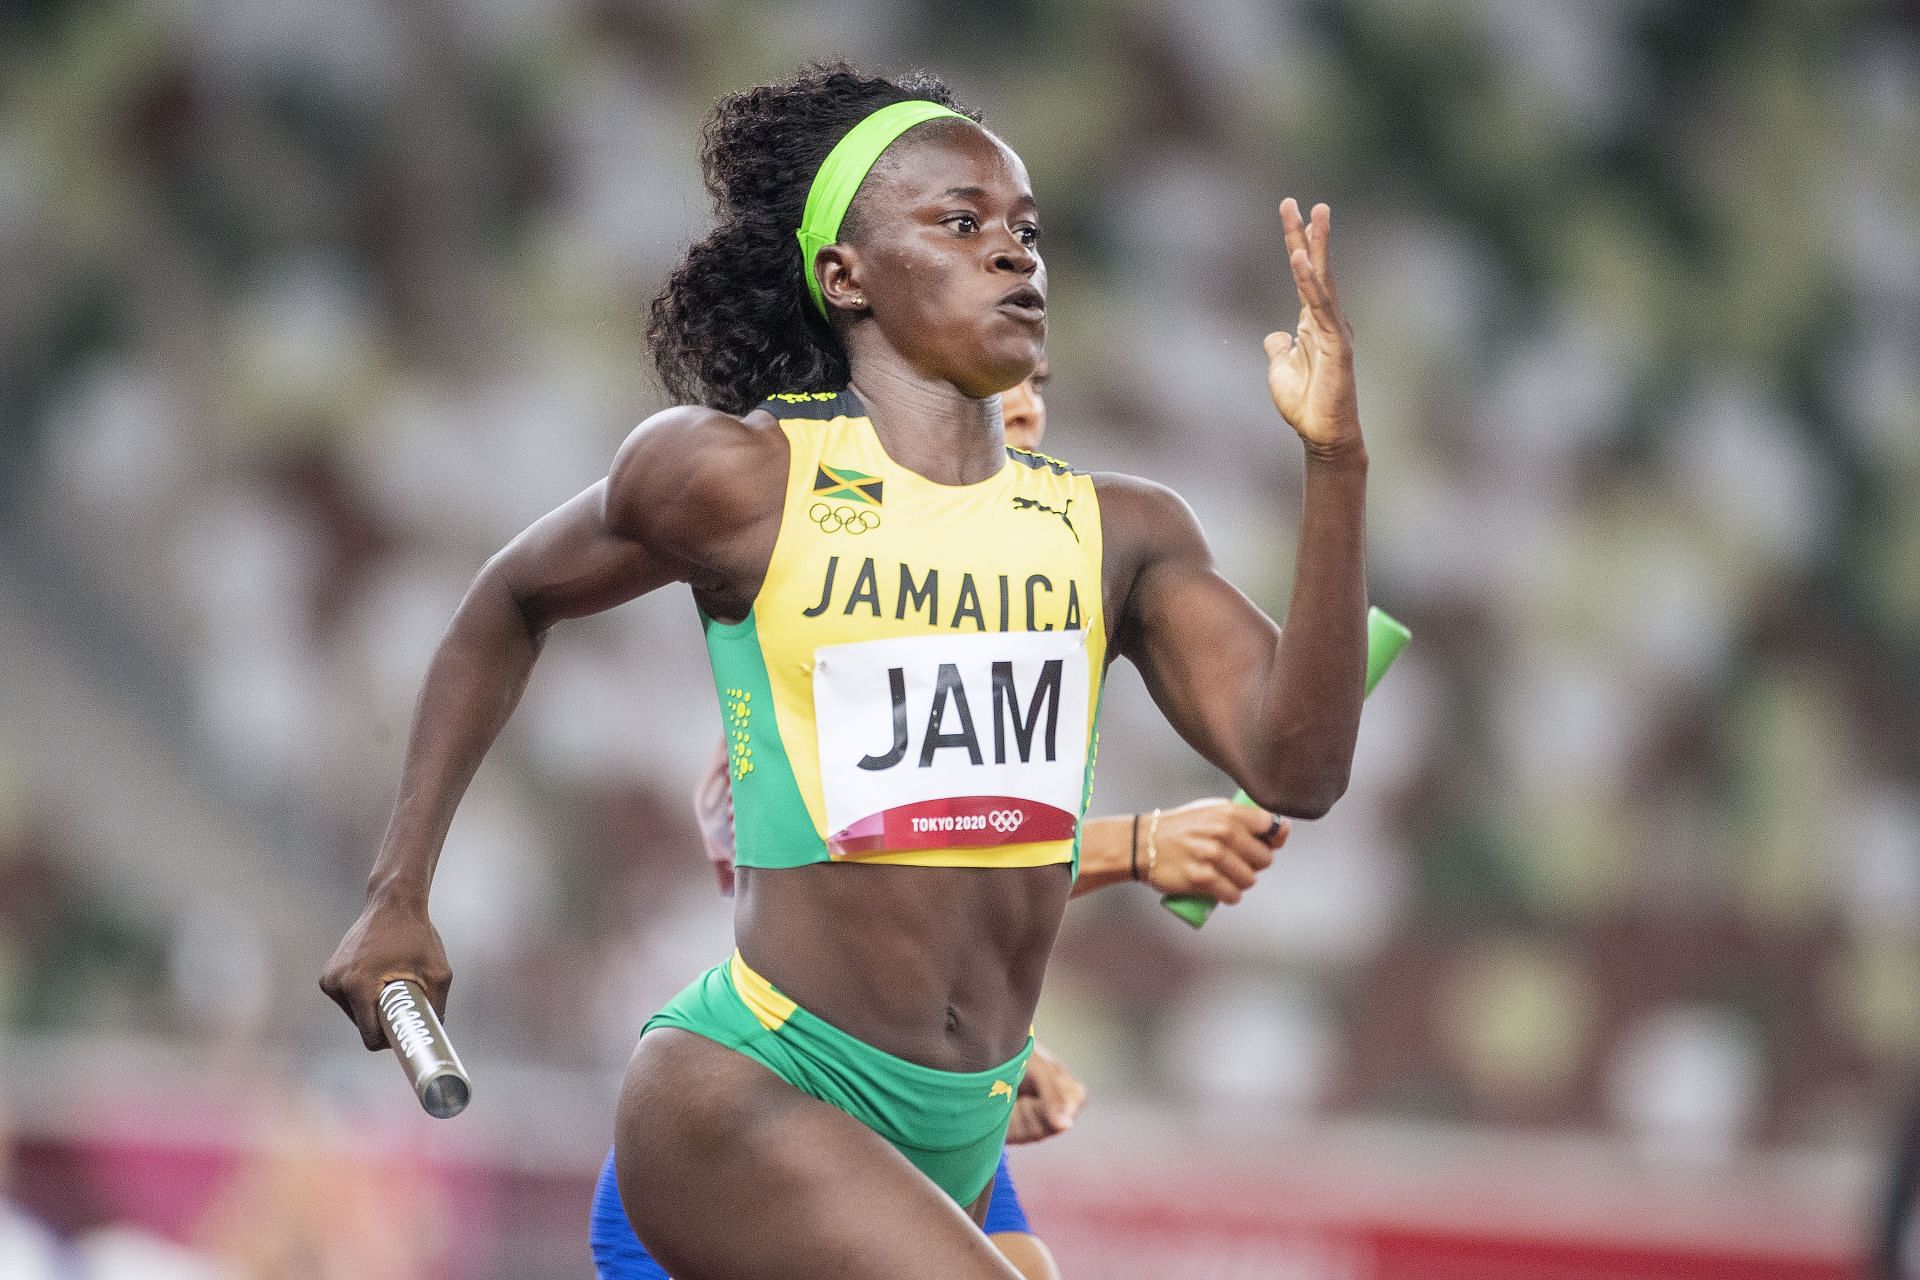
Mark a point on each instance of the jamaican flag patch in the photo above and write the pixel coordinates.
(844, 485)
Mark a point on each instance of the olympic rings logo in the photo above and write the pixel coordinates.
(832, 519)
(1006, 821)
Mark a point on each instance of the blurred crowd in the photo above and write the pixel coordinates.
(310, 307)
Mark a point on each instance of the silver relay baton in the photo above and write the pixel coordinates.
(425, 1053)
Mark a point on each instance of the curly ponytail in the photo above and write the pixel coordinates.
(734, 323)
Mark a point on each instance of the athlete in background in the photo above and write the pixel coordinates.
(1893, 1254)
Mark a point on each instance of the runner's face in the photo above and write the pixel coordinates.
(1024, 410)
(944, 238)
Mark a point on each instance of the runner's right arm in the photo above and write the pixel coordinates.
(674, 507)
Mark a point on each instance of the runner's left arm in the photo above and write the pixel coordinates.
(1278, 711)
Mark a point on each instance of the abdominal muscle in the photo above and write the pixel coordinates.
(938, 965)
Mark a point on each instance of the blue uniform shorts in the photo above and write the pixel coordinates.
(619, 1255)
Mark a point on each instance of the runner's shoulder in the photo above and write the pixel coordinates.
(691, 459)
(691, 434)
(1129, 502)
(1143, 522)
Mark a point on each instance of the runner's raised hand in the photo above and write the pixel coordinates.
(1310, 371)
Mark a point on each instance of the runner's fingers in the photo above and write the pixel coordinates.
(1233, 865)
(1319, 236)
(1314, 294)
(1217, 886)
(1292, 225)
(1269, 829)
(365, 1013)
(1303, 279)
(1249, 849)
(361, 1011)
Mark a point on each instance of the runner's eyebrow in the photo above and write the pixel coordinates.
(1025, 200)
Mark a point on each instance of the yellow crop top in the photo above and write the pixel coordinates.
(919, 679)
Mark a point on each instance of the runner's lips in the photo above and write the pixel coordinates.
(1027, 299)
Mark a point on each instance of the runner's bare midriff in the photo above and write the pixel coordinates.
(938, 965)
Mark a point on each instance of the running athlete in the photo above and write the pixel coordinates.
(909, 627)
(1209, 846)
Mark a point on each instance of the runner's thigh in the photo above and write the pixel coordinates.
(730, 1173)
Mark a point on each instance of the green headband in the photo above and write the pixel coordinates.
(842, 172)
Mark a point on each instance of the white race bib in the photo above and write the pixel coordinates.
(943, 741)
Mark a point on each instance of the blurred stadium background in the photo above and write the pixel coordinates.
(1609, 964)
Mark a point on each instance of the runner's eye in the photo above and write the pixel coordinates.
(964, 223)
(1028, 234)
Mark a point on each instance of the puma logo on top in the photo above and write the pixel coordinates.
(1034, 504)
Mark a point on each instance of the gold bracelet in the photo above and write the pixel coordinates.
(1153, 850)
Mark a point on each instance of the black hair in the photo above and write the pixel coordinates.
(735, 323)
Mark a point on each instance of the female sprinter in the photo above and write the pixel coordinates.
(1210, 846)
(909, 628)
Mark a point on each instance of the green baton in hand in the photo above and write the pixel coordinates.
(1386, 637)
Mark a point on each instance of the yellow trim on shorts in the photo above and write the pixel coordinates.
(769, 1008)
